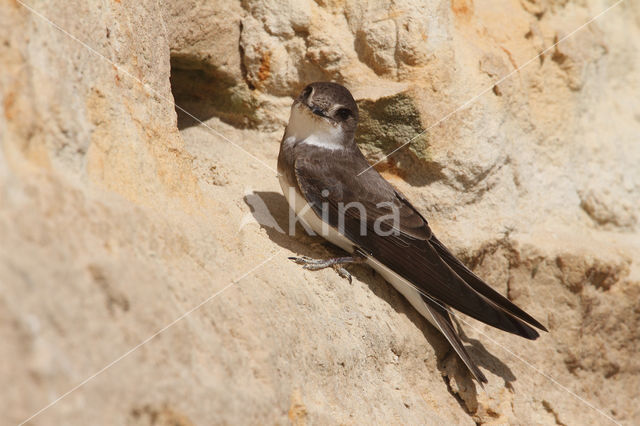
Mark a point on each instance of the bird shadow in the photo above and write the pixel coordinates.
(272, 212)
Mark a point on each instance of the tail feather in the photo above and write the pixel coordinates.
(442, 319)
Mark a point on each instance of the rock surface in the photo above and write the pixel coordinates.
(118, 215)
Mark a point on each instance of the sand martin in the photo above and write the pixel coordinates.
(319, 168)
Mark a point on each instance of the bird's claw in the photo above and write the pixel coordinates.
(306, 261)
(343, 272)
(316, 264)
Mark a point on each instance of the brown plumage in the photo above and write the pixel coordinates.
(325, 172)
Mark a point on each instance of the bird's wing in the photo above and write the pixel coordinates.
(480, 286)
(328, 180)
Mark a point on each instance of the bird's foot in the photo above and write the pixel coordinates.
(335, 263)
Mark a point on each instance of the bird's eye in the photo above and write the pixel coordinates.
(343, 113)
(306, 92)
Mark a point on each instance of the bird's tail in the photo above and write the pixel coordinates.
(442, 319)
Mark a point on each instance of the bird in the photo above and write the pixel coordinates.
(334, 192)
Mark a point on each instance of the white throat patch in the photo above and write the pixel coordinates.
(305, 127)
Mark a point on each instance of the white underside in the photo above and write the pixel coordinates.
(407, 289)
(313, 221)
(306, 215)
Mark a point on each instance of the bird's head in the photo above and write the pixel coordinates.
(324, 110)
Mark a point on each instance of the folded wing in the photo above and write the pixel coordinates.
(329, 182)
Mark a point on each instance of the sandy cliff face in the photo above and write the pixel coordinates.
(119, 215)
